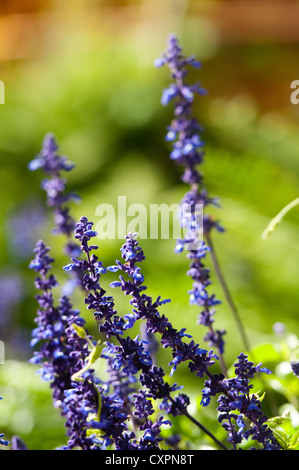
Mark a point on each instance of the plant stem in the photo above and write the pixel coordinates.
(221, 358)
(227, 293)
(278, 218)
(205, 430)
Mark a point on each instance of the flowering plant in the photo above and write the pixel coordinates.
(136, 405)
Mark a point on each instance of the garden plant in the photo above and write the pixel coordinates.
(137, 405)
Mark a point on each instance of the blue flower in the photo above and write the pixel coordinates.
(295, 368)
(53, 164)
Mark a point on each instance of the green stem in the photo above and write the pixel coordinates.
(203, 428)
(227, 293)
(278, 218)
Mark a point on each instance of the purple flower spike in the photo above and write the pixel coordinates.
(185, 135)
(55, 185)
(61, 354)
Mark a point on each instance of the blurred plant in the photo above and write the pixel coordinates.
(11, 292)
(20, 236)
(53, 165)
(18, 444)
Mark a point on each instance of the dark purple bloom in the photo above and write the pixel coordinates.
(237, 404)
(151, 430)
(145, 308)
(184, 131)
(295, 368)
(18, 444)
(130, 357)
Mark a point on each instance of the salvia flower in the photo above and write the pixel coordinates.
(187, 150)
(55, 187)
(143, 409)
(3, 442)
(62, 353)
(130, 356)
(184, 132)
(145, 308)
(237, 405)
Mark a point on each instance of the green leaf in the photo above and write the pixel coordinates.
(93, 356)
(266, 352)
(259, 397)
(282, 438)
(277, 420)
(96, 352)
(294, 441)
(79, 330)
(99, 406)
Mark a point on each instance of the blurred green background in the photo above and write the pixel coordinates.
(84, 71)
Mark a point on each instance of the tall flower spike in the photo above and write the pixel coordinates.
(63, 353)
(184, 131)
(55, 186)
(245, 406)
(185, 135)
(58, 198)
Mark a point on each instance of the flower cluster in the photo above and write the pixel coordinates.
(234, 393)
(144, 308)
(237, 405)
(127, 355)
(64, 354)
(131, 356)
(3, 442)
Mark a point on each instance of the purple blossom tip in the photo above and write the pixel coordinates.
(159, 62)
(295, 368)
